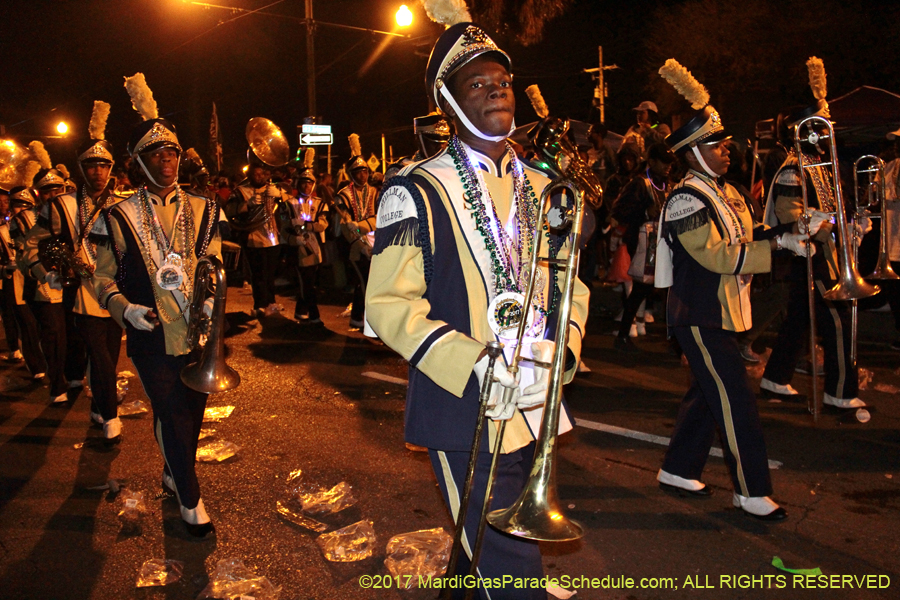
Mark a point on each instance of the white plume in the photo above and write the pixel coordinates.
(63, 170)
(537, 100)
(31, 169)
(97, 126)
(447, 12)
(685, 83)
(355, 147)
(41, 154)
(817, 81)
(309, 158)
(141, 96)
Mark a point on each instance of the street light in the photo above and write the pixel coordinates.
(404, 16)
(62, 128)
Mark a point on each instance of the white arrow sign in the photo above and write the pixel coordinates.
(316, 139)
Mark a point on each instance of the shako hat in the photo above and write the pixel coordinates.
(153, 133)
(356, 160)
(705, 126)
(47, 175)
(461, 42)
(308, 172)
(97, 148)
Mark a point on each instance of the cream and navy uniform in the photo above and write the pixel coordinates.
(357, 205)
(46, 304)
(123, 277)
(785, 206)
(427, 298)
(261, 245)
(303, 225)
(708, 251)
(892, 197)
(71, 217)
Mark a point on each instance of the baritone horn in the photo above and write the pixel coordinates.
(210, 373)
(868, 174)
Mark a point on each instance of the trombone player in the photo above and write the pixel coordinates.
(785, 206)
(150, 245)
(450, 259)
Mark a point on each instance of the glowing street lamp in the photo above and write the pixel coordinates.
(62, 128)
(404, 16)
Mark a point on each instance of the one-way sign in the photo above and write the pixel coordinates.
(316, 139)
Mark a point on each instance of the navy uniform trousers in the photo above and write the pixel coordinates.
(103, 338)
(720, 398)
(177, 418)
(832, 324)
(501, 554)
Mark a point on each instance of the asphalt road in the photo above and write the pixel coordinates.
(308, 401)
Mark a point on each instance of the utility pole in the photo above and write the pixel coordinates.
(601, 92)
(310, 59)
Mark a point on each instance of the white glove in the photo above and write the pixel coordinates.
(208, 306)
(796, 243)
(497, 409)
(862, 226)
(52, 279)
(816, 219)
(536, 393)
(136, 314)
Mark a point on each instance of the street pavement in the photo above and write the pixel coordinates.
(309, 401)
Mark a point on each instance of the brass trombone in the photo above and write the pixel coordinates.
(850, 284)
(536, 514)
(868, 174)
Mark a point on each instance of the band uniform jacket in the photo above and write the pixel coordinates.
(11, 275)
(60, 217)
(304, 221)
(32, 289)
(785, 206)
(357, 209)
(428, 295)
(271, 198)
(122, 276)
(714, 252)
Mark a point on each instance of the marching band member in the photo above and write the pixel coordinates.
(65, 364)
(707, 253)
(152, 242)
(261, 244)
(356, 205)
(452, 248)
(7, 287)
(304, 225)
(21, 198)
(71, 217)
(785, 206)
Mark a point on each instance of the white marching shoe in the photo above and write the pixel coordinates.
(680, 485)
(843, 402)
(112, 431)
(196, 520)
(775, 388)
(760, 507)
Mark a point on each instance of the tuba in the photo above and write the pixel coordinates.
(210, 373)
(269, 145)
(12, 162)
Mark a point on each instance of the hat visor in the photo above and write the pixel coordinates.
(719, 136)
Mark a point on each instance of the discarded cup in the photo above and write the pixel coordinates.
(418, 554)
(232, 580)
(217, 451)
(217, 413)
(349, 544)
(862, 415)
(328, 502)
(158, 572)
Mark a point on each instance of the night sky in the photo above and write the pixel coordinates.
(61, 55)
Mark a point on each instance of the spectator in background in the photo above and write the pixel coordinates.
(647, 130)
(601, 158)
